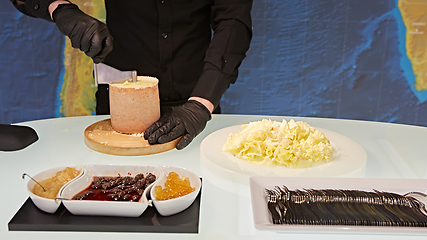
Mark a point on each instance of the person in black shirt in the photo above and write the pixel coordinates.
(168, 39)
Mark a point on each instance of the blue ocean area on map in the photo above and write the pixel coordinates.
(31, 57)
(320, 58)
(341, 60)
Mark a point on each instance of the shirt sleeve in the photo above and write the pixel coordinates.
(231, 23)
(34, 8)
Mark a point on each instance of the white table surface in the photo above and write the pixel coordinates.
(393, 151)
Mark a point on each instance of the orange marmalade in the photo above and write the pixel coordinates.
(174, 187)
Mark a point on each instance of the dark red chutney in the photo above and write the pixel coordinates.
(116, 188)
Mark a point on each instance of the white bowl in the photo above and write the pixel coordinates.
(175, 205)
(46, 204)
(106, 208)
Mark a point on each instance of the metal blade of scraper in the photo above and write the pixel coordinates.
(105, 74)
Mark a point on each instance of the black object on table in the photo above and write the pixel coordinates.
(15, 137)
(30, 218)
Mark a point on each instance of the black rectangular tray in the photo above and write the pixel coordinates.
(30, 218)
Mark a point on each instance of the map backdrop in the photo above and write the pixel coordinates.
(348, 59)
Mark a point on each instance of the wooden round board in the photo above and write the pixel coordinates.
(101, 137)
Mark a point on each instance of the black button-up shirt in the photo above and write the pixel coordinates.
(172, 40)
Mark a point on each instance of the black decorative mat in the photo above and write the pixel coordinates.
(30, 218)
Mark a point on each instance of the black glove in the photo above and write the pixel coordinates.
(85, 32)
(186, 120)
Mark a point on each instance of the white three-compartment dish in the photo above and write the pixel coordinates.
(114, 208)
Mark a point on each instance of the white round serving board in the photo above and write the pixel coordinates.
(349, 159)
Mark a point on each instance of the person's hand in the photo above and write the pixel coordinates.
(186, 120)
(85, 32)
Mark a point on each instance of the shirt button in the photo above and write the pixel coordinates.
(36, 7)
(164, 69)
(164, 35)
(162, 2)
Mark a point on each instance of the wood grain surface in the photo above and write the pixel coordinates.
(102, 138)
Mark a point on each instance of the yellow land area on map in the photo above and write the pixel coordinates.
(78, 90)
(414, 15)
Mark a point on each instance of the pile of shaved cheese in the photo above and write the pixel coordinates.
(291, 144)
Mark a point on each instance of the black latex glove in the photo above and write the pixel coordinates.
(186, 120)
(85, 32)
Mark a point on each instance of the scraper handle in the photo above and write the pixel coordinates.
(95, 74)
(134, 74)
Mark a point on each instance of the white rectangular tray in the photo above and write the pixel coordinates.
(262, 219)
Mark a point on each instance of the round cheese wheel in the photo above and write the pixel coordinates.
(134, 106)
